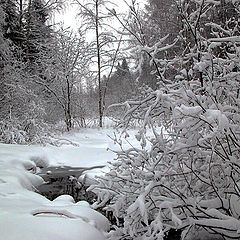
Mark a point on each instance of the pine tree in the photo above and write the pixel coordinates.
(36, 30)
(10, 27)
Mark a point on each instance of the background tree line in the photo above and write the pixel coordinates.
(49, 74)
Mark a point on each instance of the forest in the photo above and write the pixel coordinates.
(170, 69)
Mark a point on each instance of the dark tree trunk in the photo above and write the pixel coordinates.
(68, 107)
(100, 108)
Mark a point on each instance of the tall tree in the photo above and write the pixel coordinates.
(121, 84)
(145, 32)
(11, 16)
(96, 16)
(37, 30)
(22, 107)
(62, 79)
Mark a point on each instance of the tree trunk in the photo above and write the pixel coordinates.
(68, 110)
(68, 120)
(20, 19)
(99, 70)
(28, 29)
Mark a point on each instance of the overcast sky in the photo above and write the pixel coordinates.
(69, 15)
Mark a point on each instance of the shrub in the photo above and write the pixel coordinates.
(186, 176)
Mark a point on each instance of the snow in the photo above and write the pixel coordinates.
(88, 176)
(213, 115)
(93, 148)
(25, 214)
(90, 151)
(225, 39)
(64, 198)
(26, 227)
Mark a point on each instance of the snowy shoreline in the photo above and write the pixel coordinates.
(25, 214)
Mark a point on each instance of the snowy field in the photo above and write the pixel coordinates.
(27, 215)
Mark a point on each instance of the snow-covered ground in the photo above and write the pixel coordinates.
(90, 150)
(27, 215)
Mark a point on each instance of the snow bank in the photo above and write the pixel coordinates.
(27, 215)
(91, 149)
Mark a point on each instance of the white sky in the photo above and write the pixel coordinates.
(69, 16)
(70, 19)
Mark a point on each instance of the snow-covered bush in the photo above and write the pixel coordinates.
(15, 131)
(22, 112)
(187, 175)
(10, 132)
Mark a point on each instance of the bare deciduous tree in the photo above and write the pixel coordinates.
(96, 15)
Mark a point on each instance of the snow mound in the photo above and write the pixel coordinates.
(64, 198)
(25, 214)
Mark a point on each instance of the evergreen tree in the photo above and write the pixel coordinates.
(22, 57)
(10, 26)
(36, 30)
(121, 85)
